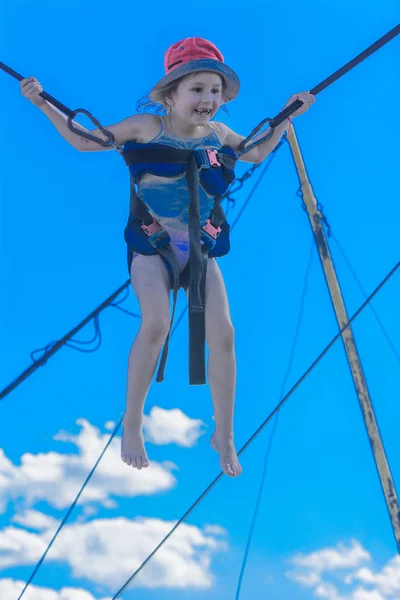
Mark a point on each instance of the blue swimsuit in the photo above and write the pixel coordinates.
(167, 198)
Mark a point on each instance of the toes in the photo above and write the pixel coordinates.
(232, 469)
(126, 459)
(136, 462)
(228, 470)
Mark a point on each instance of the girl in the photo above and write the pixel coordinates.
(197, 83)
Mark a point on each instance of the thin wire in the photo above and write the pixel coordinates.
(97, 336)
(124, 310)
(256, 433)
(275, 425)
(372, 309)
(55, 346)
(69, 511)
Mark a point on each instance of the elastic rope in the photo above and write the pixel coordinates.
(52, 348)
(256, 433)
(69, 511)
(364, 293)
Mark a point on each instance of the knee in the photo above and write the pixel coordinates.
(155, 328)
(223, 337)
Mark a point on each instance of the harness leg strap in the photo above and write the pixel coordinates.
(197, 334)
(168, 254)
(198, 264)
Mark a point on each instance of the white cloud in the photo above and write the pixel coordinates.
(305, 579)
(215, 530)
(387, 581)
(172, 427)
(33, 519)
(109, 425)
(10, 590)
(362, 594)
(327, 590)
(107, 552)
(330, 559)
(43, 476)
(18, 546)
(344, 564)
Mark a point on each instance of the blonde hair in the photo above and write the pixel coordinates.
(157, 103)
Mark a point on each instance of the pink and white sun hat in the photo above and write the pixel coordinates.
(196, 54)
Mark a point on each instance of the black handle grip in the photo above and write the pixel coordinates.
(285, 113)
(64, 109)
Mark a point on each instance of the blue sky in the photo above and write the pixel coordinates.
(323, 529)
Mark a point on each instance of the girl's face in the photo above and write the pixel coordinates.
(198, 98)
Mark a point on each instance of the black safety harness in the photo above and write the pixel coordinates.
(203, 239)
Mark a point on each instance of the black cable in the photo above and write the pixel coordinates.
(364, 293)
(256, 433)
(69, 511)
(55, 346)
(244, 447)
(127, 312)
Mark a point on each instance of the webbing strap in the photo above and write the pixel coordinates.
(197, 278)
(197, 334)
(168, 254)
(198, 263)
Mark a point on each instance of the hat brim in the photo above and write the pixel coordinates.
(232, 83)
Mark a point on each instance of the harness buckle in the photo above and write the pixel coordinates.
(212, 157)
(207, 158)
(156, 234)
(209, 234)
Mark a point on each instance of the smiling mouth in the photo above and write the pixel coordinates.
(206, 112)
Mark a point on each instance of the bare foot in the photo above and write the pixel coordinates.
(227, 455)
(132, 448)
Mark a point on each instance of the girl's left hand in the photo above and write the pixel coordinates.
(307, 100)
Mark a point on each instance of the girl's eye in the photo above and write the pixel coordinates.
(216, 91)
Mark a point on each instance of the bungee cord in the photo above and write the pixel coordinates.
(262, 426)
(52, 348)
(374, 312)
(273, 433)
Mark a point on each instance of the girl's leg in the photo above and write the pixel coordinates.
(221, 368)
(150, 281)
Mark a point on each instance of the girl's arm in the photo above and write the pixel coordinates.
(121, 131)
(128, 129)
(260, 152)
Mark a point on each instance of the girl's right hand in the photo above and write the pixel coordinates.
(31, 88)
